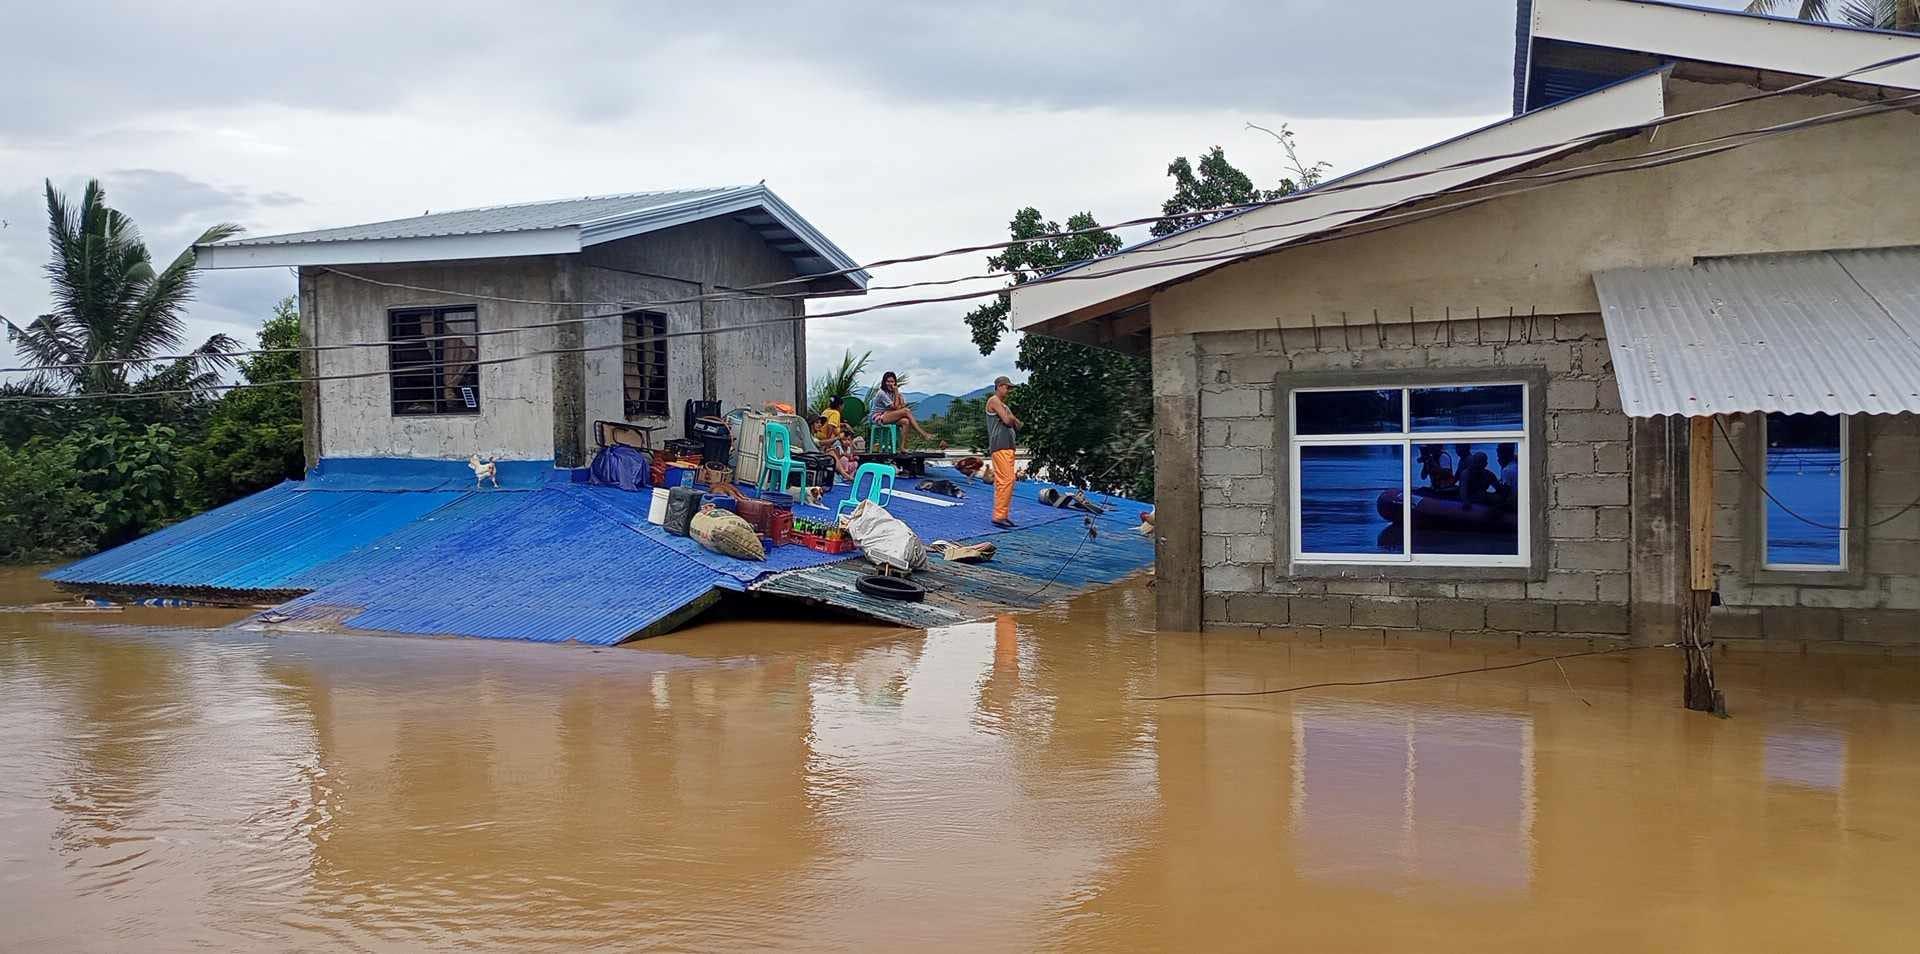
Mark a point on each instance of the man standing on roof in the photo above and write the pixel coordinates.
(1002, 427)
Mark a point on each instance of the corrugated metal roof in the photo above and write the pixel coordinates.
(520, 217)
(1821, 332)
(562, 226)
(264, 542)
(399, 546)
(1036, 565)
(533, 566)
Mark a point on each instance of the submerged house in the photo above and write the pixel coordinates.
(1656, 336)
(606, 296)
(508, 332)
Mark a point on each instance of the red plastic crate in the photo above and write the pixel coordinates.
(780, 527)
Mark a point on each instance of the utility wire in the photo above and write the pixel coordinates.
(1380, 223)
(1759, 480)
(1358, 683)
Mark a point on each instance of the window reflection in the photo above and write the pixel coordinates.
(1385, 795)
(1806, 490)
(1493, 407)
(1466, 498)
(1340, 492)
(1347, 412)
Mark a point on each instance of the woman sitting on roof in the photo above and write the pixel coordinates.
(890, 407)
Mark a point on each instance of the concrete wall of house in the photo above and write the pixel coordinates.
(1578, 583)
(544, 408)
(739, 368)
(1847, 185)
(516, 398)
(1877, 600)
(1437, 293)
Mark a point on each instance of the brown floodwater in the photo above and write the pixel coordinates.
(166, 784)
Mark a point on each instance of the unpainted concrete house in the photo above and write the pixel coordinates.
(1450, 396)
(513, 328)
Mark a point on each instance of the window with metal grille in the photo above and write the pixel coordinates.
(644, 363)
(434, 354)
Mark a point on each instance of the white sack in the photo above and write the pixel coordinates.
(885, 540)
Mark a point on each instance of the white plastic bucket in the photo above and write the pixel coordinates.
(657, 511)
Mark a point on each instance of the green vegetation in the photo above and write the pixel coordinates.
(82, 474)
(1089, 411)
(963, 426)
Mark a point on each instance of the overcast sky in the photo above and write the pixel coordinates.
(894, 127)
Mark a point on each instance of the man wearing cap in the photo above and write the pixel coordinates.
(1002, 428)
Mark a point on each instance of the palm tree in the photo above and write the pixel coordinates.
(1903, 15)
(111, 305)
(1809, 9)
(839, 382)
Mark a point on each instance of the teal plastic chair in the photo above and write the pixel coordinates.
(871, 482)
(778, 458)
(883, 438)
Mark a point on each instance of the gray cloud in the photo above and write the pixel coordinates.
(602, 61)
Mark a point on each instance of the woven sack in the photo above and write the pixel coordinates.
(726, 534)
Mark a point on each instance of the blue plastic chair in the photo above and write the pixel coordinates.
(883, 438)
(778, 457)
(871, 482)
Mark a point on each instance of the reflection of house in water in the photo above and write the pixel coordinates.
(1385, 795)
(1807, 756)
(562, 794)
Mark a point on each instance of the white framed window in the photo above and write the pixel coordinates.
(1429, 475)
(1804, 511)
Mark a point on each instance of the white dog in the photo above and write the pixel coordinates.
(484, 470)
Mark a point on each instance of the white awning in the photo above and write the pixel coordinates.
(1819, 332)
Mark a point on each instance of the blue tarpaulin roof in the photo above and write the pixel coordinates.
(410, 547)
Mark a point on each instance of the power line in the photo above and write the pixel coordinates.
(1337, 186)
(1669, 156)
(1759, 481)
(1360, 683)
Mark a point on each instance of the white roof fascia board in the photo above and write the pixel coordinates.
(1729, 37)
(433, 248)
(1630, 102)
(615, 227)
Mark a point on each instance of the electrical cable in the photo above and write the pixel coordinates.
(1628, 164)
(1359, 683)
(1214, 214)
(1759, 481)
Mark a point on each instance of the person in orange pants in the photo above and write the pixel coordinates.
(1002, 433)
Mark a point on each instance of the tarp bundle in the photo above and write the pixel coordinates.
(886, 540)
(618, 465)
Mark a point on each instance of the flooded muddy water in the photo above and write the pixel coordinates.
(752, 785)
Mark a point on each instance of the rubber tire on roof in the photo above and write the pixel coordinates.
(890, 588)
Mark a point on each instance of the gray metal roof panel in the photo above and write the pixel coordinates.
(1822, 332)
(520, 217)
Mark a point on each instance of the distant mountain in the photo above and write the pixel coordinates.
(937, 405)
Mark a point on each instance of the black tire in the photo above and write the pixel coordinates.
(891, 588)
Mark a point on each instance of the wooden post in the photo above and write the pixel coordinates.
(1699, 690)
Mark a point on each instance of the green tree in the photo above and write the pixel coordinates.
(837, 383)
(254, 435)
(1088, 411)
(111, 305)
(963, 426)
(44, 513)
(1216, 183)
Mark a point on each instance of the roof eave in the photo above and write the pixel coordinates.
(427, 248)
(1086, 294)
(615, 227)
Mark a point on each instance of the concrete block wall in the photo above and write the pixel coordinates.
(1876, 602)
(1579, 585)
(355, 415)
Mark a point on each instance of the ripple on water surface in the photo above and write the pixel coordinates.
(755, 784)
